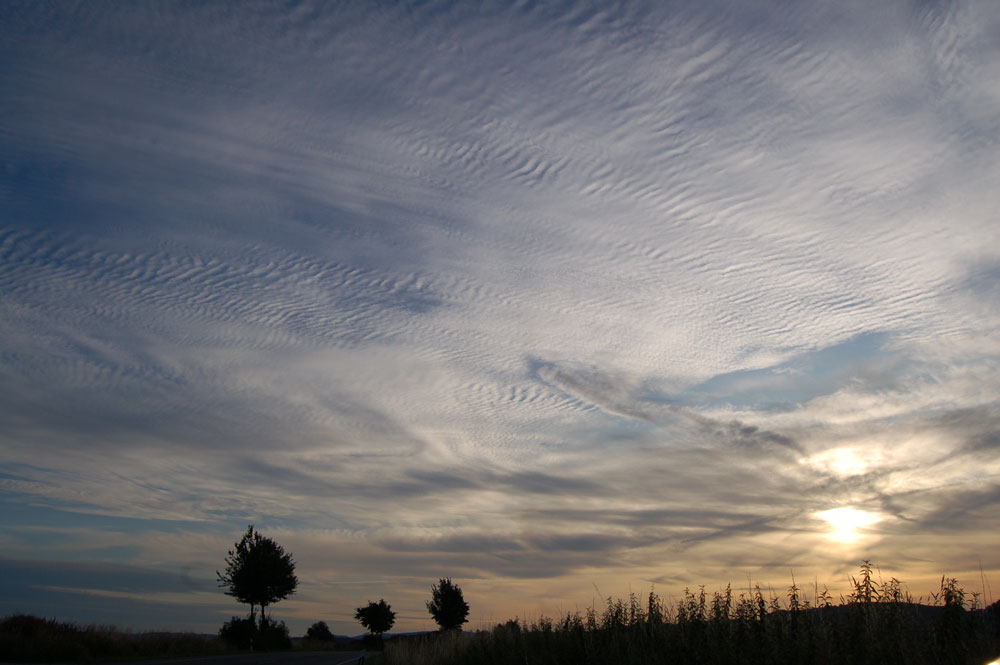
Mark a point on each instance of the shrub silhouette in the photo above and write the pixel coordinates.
(268, 635)
(25, 638)
(319, 631)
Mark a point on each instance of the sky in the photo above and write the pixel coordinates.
(560, 300)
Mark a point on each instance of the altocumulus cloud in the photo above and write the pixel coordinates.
(612, 295)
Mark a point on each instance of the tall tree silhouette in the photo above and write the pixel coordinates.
(258, 572)
(447, 605)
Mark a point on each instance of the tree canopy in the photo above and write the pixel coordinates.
(258, 572)
(376, 617)
(320, 631)
(447, 605)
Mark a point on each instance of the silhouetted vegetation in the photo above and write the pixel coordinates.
(377, 618)
(320, 632)
(319, 637)
(258, 572)
(31, 639)
(447, 605)
(266, 635)
(877, 623)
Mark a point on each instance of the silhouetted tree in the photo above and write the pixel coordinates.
(258, 572)
(447, 605)
(320, 631)
(376, 617)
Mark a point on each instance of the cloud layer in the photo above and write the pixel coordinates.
(582, 294)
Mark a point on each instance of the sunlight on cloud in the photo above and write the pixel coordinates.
(848, 461)
(848, 525)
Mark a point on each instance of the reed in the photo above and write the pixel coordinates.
(877, 622)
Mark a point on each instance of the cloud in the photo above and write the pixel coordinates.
(100, 576)
(623, 292)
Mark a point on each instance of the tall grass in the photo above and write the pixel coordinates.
(30, 639)
(876, 623)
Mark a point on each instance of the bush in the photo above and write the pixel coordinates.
(243, 633)
(237, 632)
(319, 631)
(274, 637)
(30, 639)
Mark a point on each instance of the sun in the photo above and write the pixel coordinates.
(846, 522)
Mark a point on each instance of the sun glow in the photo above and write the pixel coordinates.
(846, 460)
(845, 523)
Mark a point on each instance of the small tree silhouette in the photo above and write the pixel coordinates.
(320, 631)
(447, 605)
(376, 617)
(258, 572)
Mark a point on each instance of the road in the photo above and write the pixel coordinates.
(286, 658)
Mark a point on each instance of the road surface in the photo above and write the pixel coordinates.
(279, 658)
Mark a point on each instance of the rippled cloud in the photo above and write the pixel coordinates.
(591, 295)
